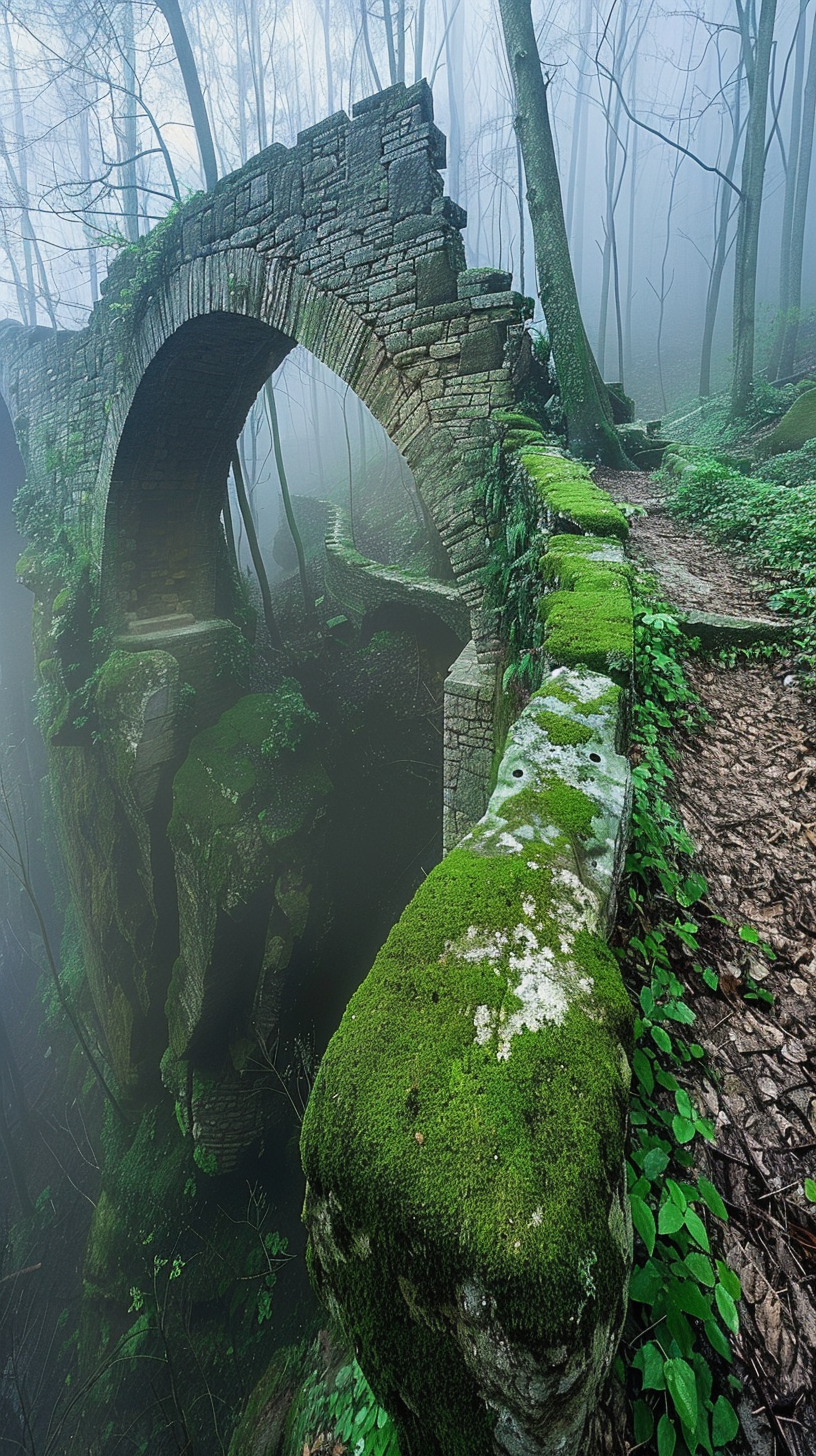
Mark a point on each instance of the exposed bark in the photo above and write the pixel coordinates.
(787, 360)
(724, 213)
(272, 410)
(189, 74)
(791, 168)
(128, 134)
(757, 57)
(586, 403)
(255, 552)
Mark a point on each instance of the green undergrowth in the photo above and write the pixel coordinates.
(683, 1297)
(344, 1408)
(769, 524)
(710, 424)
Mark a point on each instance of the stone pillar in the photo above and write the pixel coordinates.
(468, 743)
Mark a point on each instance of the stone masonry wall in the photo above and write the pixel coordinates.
(344, 243)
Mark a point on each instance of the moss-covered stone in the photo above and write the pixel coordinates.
(593, 629)
(592, 562)
(464, 1140)
(570, 494)
(245, 804)
(795, 428)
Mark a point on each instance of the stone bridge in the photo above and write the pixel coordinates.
(345, 244)
(464, 1143)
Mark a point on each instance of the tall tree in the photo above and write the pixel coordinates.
(787, 359)
(171, 11)
(790, 163)
(583, 393)
(756, 53)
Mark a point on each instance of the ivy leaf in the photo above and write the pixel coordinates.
(643, 1071)
(727, 1308)
(717, 1340)
(649, 1360)
(683, 1129)
(666, 1436)
(729, 1280)
(700, 1268)
(697, 1229)
(670, 1218)
(682, 1388)
(656, 1162)
(688, 1297)
(643, 1421)
(645, 1284)
(643, 1219)
(724, 1422)
(712, 1199)
(661, 1038)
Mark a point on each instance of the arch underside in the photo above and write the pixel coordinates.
(162, 533)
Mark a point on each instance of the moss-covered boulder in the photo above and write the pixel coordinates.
(103, 791)
(464, 1142)
(246, 802)
(795, 428)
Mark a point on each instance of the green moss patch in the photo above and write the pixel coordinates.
(796, 427)
(569, 491)
(561, 730)
(591, 562)
(593, 629)
(451, 1107)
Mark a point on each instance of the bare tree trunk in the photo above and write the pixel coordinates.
(758, 65)
(419, 43)
(724, 215)
(791, 169)
(272, 411)
(256, 62)
(30, 315)
(454, 65)
(255, 552)
(586, 402)
(85, 168)
(375, 75)
(195, 98)
(128, 137)
(389, 42)
(787, 360)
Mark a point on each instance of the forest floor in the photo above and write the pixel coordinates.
(745, 788)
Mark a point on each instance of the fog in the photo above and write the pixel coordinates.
(146, 1288)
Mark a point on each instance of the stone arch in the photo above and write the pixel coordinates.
(216, 331)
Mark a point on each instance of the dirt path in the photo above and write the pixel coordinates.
(746, 791)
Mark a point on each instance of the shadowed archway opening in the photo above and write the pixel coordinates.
(164, 562)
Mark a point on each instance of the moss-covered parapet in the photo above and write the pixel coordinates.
(570, 495)
(464, 1141)
(588, 618)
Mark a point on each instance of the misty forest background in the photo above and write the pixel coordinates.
(684, 143)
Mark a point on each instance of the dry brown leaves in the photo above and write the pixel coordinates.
(746, 790)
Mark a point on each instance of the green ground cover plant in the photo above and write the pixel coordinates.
(683, 1297)
(770, 524)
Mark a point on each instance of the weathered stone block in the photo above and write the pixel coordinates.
(482, 349)
(476, 281)
(412, 185)
(436, 280)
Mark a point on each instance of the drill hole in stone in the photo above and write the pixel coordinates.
(518, 773)
(594, 758)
